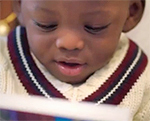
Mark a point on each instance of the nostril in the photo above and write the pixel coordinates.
(69, 44)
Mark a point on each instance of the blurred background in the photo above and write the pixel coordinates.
(7, 18)
(141, 33)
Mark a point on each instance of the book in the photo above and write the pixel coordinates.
(35, 108)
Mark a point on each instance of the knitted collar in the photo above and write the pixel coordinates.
(111, 92)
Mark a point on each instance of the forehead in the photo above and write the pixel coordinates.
(74, 4)
(74, 9)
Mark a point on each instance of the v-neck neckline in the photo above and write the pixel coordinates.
(112, 91)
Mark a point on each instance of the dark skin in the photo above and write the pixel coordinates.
(73, 39)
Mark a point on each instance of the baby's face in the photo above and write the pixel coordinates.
(73, 39)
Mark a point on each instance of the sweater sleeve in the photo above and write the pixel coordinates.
(143, 113)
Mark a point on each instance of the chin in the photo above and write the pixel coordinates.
(74, 80)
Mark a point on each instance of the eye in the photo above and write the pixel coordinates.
(50, 27)
(95, 30)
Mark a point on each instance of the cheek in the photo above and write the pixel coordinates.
(41, 45)
(103, 51)
(38, 40)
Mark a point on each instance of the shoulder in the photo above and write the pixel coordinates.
(3, 50)
(4, 58)
(146, 76)
(3, 61)
(144, 110)
(3, 41)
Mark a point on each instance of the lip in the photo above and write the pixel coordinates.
(70, 67)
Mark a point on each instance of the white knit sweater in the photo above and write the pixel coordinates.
(137, 99)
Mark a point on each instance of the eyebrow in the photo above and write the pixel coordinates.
(45, 10)
(97, 12)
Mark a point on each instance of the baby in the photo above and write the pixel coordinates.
(76, 50)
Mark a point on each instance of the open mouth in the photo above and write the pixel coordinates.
(71, 65)
(70, 68)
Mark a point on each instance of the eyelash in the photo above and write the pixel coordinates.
(51, 27)
(95, 30)
(90, 29)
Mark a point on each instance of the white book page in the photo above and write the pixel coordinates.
(63, 108)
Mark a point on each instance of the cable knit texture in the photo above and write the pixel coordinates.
(133, 85)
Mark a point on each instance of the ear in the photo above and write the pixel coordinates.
(17, 10)
(136, 9)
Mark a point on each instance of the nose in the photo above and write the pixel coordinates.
(70, 41)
